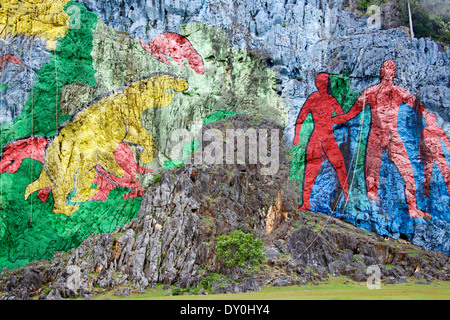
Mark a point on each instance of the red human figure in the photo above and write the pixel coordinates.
(321, 142)
(107, 182)
(176, 46)
(431, 151)
(10, 58)
(385, 100)
(14, 152)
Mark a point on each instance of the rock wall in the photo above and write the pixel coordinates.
(75, 59)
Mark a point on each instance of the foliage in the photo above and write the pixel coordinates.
(425, 23)
(431, 18)
(176, 291)
(240, 249)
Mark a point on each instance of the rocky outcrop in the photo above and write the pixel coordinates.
(172, 240)
(346, 250)
(307, 249)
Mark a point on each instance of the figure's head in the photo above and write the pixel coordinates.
(322, 82)
(388, 70)
(430, 119)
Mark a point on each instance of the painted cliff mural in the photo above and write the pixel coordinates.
(385, 100)
(90, 98)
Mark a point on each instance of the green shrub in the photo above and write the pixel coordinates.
(176, 291)
(206, 282)
(240, 249)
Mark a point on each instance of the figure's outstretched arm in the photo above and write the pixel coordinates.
(301, 118)
(357, 107)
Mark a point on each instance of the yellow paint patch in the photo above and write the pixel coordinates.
(42, 18)
(94, 133)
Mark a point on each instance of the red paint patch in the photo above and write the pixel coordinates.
(10, 58)
(321, 144)
(176, 46)
(34, 148)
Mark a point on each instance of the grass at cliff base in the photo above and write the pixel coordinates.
(338, 288)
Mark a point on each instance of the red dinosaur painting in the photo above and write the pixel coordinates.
(10, 58)
(321, 143)
(176, 46)
(385, 100)
(431, 151)
(16, 151)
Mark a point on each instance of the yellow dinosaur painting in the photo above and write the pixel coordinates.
(90, 137)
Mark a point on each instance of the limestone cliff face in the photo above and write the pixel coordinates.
(260, 58)
(299, 39)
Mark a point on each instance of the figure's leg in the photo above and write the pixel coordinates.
(337, 160)
(400, 157)
(374, 154)
(62, 170)
(442, 163)
(428, 170)
(313, 162)
(125, 158)
(42, 182)
(127, 181)
(43, 193)
(135, 192)
(61, 190)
